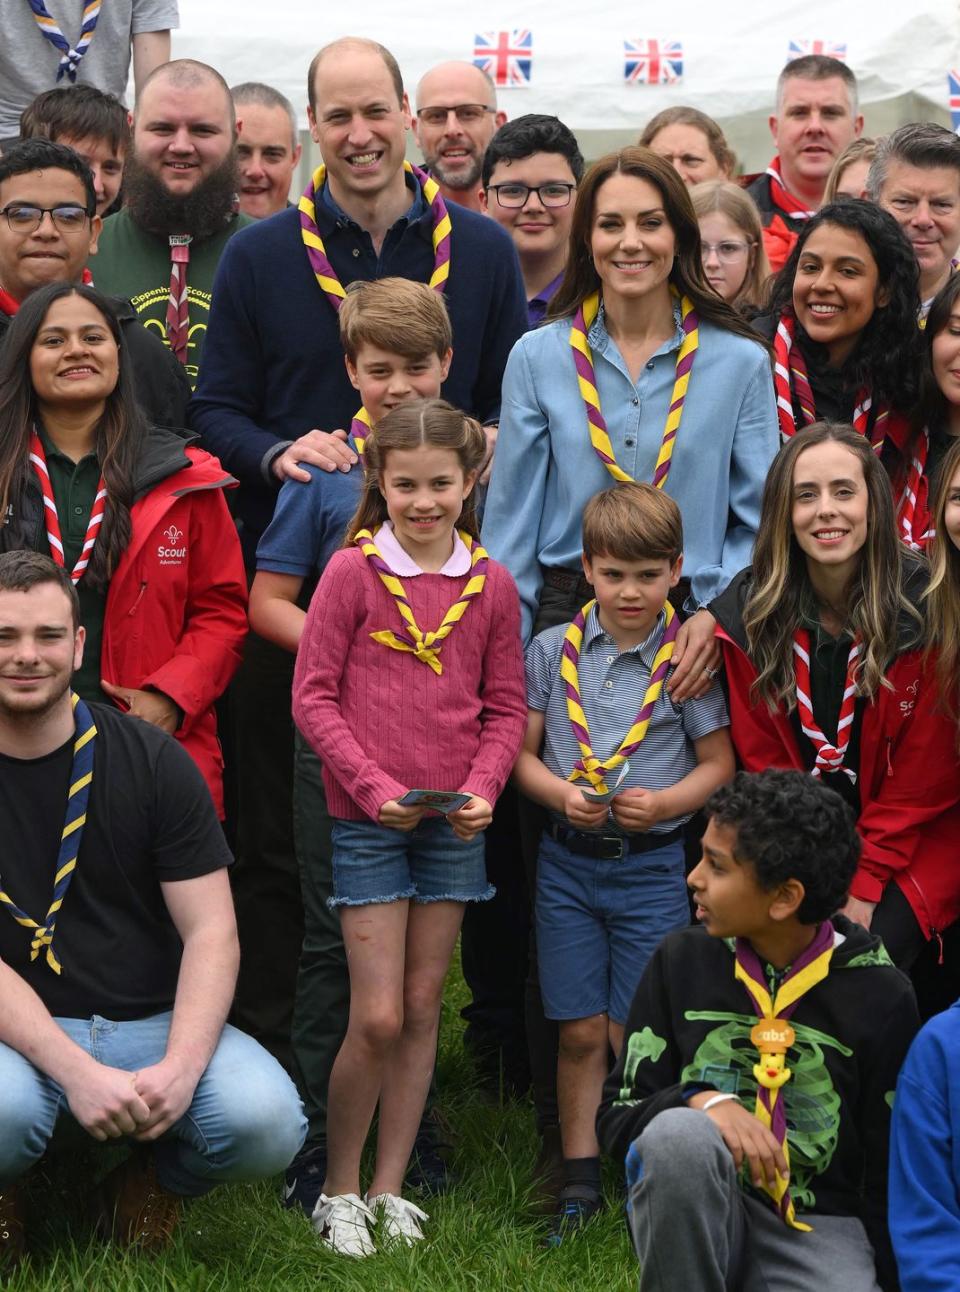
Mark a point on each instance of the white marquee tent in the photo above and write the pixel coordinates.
(574, 61)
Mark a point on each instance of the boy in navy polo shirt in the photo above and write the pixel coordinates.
(397, 345)
(620, 768)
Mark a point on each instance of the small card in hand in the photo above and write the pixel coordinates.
(595, 796)
(437, 800)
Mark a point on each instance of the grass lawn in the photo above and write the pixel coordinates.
(481, 1237)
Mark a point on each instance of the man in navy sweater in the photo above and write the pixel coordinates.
(273, 384)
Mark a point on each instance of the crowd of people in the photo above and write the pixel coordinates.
(560, 558)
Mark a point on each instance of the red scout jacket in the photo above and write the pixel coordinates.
(909, 773)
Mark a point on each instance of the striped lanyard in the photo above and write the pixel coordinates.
(39, 460)
(426, 646)
(70, 56)
(791, 380)
(773, 1037)
(326, 275)
(587, 381)
(588, 766)
(829, 758)
(81, 778)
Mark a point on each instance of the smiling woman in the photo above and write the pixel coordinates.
(133, 512)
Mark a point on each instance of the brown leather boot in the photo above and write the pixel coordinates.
(13, 1234)
(134, 1210)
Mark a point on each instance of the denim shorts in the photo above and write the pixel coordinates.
(374, 863)
(599, 922)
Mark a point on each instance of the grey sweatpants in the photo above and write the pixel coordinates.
(695, 1230)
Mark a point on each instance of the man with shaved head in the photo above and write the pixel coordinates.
(456, 118)
(180, 183)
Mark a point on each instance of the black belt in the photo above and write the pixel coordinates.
(555, 576)
(610, 847)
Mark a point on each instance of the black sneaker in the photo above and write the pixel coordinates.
(428, 1172)
(578, 1205)
(303, 1179)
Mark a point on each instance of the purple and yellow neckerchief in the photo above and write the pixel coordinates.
(773, 1037)
(587, 381)
(588, 766)
(70, 56)
(426, 646)
(326, 275)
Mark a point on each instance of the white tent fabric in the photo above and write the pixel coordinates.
(722, 58)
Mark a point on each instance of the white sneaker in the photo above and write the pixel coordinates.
(400, 1219)
(342, 1223)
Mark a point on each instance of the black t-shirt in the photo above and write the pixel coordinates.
(149, 819)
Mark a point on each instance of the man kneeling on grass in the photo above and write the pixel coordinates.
(751, 1099)
(118, 946)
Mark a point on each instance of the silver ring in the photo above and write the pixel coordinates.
(712, 673)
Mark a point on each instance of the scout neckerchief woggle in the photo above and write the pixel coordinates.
(326, 275)
(38, 460)
(588, 766)
(773, 1037)
(790, 378)
(426, 646)
(829, 758)
(81, 777)
(587, 381)
(70, 56)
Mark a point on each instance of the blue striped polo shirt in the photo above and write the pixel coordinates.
(612, 687)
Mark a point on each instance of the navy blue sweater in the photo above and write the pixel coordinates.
(272, 363)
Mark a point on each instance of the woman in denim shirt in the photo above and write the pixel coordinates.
(635, 254)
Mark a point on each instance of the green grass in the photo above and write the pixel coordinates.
(481, 1236)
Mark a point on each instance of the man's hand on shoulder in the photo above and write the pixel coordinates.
(746, 1137)
(167, 1088)
(106, 1102)
(324, 449)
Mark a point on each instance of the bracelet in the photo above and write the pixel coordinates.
(713, 1100)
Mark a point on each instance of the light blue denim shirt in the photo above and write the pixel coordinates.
(545, 470)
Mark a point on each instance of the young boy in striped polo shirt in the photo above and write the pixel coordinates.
(620, 769)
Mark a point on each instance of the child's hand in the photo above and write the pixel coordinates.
(580, 812)
(747, 1139)
(637, 810)
(397, 817)
(473, 817)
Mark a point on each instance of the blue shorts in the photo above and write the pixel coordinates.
(599, 922)
(374, 863)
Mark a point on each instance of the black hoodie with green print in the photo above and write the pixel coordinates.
(689, 1029)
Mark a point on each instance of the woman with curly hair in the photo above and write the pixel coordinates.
(823, 643)
(843, 324)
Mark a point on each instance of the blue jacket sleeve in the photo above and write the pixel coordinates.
(515, 501)
(925, 1161)
(505, 324)
(231, 386)
(756, 440)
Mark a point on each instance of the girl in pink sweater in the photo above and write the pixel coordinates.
(409, 677)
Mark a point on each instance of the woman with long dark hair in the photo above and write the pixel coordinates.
(644, 373)
(134, 512)
(823, 644)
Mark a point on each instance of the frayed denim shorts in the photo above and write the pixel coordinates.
(374, 863)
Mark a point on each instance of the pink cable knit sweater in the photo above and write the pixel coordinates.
(381, 720)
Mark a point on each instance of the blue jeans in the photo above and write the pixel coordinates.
(245, 1121)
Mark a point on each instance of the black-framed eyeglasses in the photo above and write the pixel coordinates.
(467, 114)
(513, 196)
(68, 217)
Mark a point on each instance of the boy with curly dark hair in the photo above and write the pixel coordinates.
(751, 1099)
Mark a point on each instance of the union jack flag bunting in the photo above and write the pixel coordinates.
(506, 56)
(953, 85)
(832, 49)
(652, 62)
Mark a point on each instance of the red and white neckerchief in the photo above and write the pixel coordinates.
(178, 305)
(38, 460)
(781, 196)
(791, 380)
(913, 498)
(829, 757)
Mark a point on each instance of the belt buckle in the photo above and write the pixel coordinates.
(613, 847)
